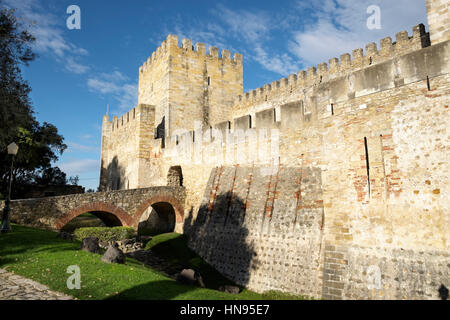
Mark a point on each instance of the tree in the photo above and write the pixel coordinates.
(39, 145)
(74, 180)
(52, 175)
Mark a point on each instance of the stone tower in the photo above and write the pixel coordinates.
(438, 20)
(188, 86)
(179, 87)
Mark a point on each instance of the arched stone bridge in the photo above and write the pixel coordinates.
(119, 207)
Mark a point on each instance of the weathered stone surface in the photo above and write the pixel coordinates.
(90, 244)
(438, 20)
(114, 255)
(190, 277)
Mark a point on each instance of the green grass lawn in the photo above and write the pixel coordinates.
(39, 255)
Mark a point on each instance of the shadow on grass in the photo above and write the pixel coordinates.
(155, 290)
(24, 240)
(177, 253)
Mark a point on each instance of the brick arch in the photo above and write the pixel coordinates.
(178, 208)
(124, 218)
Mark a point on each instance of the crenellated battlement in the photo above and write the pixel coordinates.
(172, 43)
(296, 116)
(335, 67)
(128, 120)
(180, 75)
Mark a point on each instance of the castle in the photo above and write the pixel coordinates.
(332, 183)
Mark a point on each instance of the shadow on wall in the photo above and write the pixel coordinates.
(112, 178)
(219, 234)
(161, 131)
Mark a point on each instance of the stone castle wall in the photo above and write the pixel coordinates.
(125, 149)
(331, 183)
(188, 85)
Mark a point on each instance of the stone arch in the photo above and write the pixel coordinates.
(175, 176)
(109, 213)
(160, 200)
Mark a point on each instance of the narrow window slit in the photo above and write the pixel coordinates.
(367, 163)
(428, 84)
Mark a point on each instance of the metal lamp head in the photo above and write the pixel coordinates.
(13, 148)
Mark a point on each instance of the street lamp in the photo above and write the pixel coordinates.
(12, 150)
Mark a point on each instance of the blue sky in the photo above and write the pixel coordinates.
(79, 72)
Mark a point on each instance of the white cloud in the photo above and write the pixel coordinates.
(102, 86)
(252, 26)
(86, 136)
(118, 86)
(251, 29)
(333, 42)
(79, 166)
(313, 31)
(75, 67)
(339, 26)
(282, 64)
(255, 28)
(73, 146)
(48, 30)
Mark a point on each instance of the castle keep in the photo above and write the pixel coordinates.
(332, 183)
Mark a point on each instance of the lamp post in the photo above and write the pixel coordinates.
(12, 150)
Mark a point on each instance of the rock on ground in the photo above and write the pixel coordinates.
(113, 255)
(229, 289)
(65, 235)
(90, 244)
(190, 277)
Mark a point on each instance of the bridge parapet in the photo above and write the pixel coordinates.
(120, 207)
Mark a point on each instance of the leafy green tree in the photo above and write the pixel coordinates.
(39, 144)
